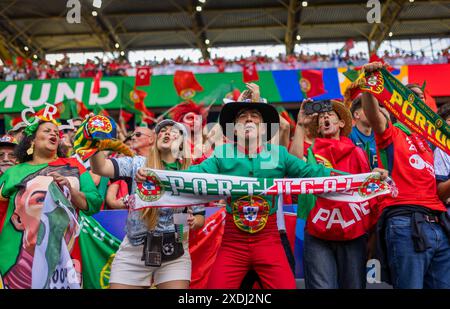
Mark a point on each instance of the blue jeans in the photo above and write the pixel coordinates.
(416, 270)
(335, 264)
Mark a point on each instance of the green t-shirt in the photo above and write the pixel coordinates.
(25, 187)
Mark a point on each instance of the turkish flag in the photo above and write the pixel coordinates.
(97, 78)
(249, 72)
(143, 75)
(311, 83)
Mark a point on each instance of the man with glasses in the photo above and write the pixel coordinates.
(7, 156)
(141, 140)
(7, 159)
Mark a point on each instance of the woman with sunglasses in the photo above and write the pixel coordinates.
(129, 269)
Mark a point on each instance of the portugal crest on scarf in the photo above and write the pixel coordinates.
(372, 185)
(151, 189)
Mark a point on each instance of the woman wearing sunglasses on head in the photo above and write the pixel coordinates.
(153, 250)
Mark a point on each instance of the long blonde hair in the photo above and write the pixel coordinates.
(154, 161)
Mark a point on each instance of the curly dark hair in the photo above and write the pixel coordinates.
(21, 149)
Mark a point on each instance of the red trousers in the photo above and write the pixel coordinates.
(241, 251)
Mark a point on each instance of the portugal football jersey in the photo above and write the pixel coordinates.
(409, 160)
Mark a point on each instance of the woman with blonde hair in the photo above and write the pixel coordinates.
(153, 250)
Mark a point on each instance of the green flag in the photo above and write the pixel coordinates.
(98, 248)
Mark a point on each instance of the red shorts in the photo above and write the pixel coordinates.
(241, 251)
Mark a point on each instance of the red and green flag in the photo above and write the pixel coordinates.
(98, 248)
(311, 83)
(186, 84)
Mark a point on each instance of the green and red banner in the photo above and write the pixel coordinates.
(98, 248)
(404, 105)
(280, 86)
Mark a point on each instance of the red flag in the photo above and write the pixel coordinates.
(374, 58)
(143, 75)
(49, 112)
(249, 72)
(138, 97)
(311, 83)
(97, 78)
(349, 44)
(125, 116)
(203, 247)
(220, 64)
(430, 101)
(82, 109)
(186, 84)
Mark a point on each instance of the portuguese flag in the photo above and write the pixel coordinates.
(400, 101)
(311, 83)
(186, 84)
(98, 248)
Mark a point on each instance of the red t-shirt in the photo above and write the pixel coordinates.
(410, 163)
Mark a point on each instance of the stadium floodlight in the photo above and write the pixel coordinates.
(305, 4)
(209, 49)
(411, 1)
(198, 8)
(122, 53)
(202, 1)
(298, 37)
(390, 34)
(94, 13)
(207, 42)
(117, 45)
(26, 48)
(97, 3)
(35, 56)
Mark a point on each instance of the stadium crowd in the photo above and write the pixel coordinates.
(28, 69)
(408, 233)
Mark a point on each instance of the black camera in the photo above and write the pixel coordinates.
(318, 107)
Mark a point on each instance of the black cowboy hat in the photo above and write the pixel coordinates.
(231, 110)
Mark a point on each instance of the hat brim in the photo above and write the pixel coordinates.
(268, 112)
(170, 122)
(343, 113)
(2, 144)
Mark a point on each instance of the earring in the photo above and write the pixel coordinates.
(31, 149)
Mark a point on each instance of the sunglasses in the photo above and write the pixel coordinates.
(139, 134)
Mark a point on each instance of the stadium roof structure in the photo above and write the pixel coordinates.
(123, 25)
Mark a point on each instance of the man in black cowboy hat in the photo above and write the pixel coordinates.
(251, 239)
